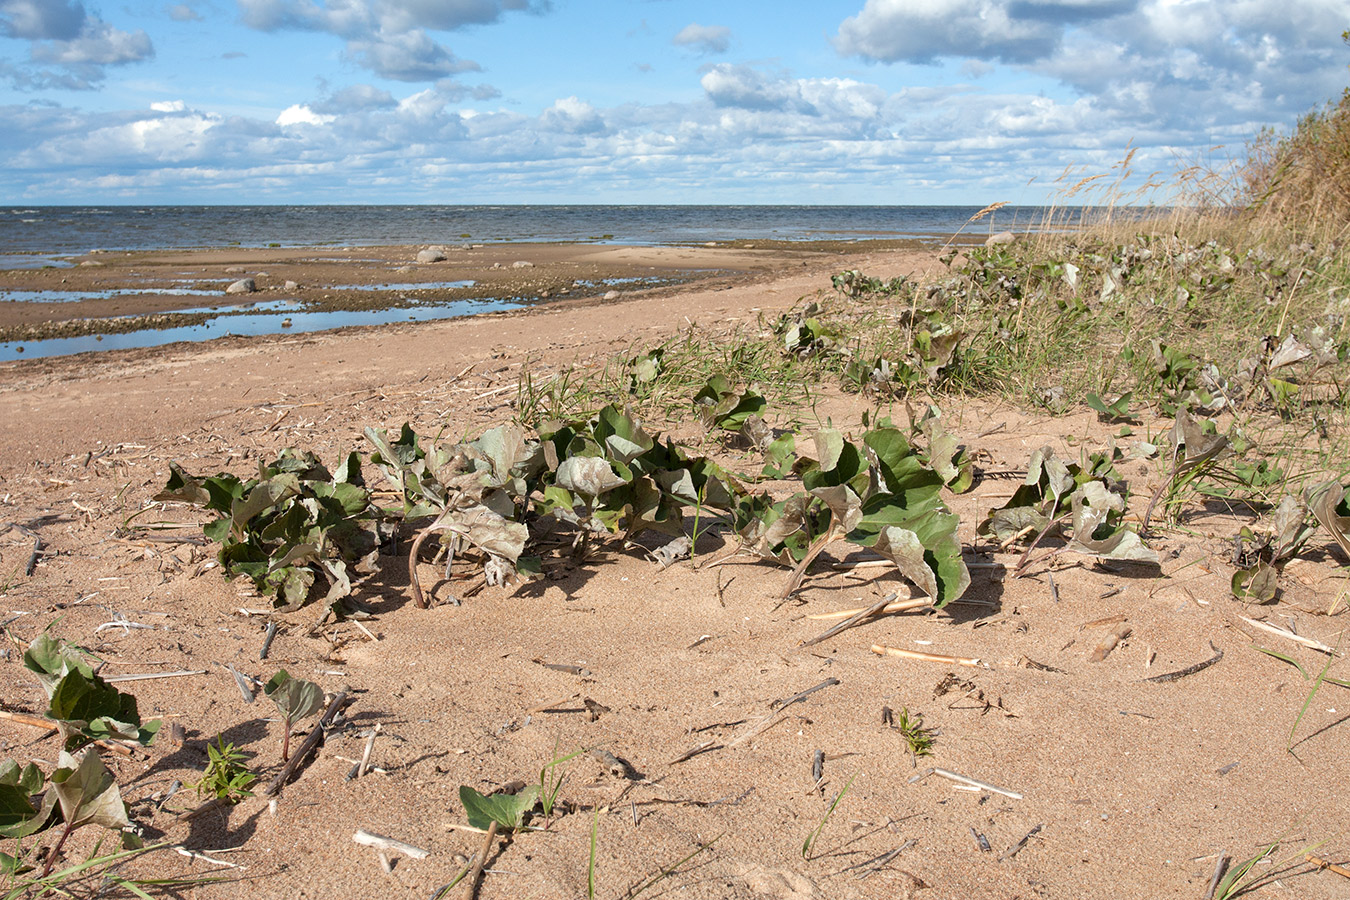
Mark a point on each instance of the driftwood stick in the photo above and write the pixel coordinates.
(267, 640)
(471, 887)
(858, 618)
(799, 573)
(311, 741)
(365, 754)
(963, 779)
(1288, 635)
(778, 706)
(1329, 866)
(147, 676)
(1219, 868)
(970, 661)
(894, 606)
(796, 698)
(1017, 847)
(371, 839)
(1189, 670)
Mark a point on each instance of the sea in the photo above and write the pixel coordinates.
(33, 237)
(46, 235)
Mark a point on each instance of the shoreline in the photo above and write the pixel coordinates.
(143, 299)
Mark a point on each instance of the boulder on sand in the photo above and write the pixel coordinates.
(242, 286)
(431, 255)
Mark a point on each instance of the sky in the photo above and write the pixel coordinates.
(889, 102)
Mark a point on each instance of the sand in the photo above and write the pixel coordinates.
(1123, 788)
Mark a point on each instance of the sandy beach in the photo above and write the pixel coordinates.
(1098, 784)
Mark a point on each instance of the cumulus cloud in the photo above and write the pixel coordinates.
(183, 12)
(572, 116)
(299, 114)
(406, 56)
(36, 20)
(355, 99)
(924, 32)
(748, 88)
(68, 47)
(388, 37)
(1159, 62)
(707, 39)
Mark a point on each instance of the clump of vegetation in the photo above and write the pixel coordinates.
(294, 524)
(80, 790)
(227, 778)
(918, 739)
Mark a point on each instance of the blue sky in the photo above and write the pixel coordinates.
(638, 101)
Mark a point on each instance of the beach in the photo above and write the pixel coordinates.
(699, 717)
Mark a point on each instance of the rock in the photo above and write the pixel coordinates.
(91, 263)
(1003, 237)
(403, 270)
(235, 270)
(431, 255)
(610, 295)
(522, 264)
(242, 286)
(290, 286)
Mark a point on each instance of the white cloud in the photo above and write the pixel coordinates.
(42, 20)
(169, 106)
(572, 116)
(389, 37)
(184, 12)
(299, 114)
(63, 35)
(406, 56)
(704, 38)
(923, 31)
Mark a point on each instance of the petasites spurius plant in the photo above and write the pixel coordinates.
(294, 524)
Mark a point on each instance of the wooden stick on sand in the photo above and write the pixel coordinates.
(970, 661)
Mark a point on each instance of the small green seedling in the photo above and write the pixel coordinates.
(550, 782)
(917, 738)
(226, 778)
(297, 699)
(811, 838)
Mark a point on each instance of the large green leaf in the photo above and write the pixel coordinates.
(51, 659)
(90, 709)
(296, 698)
(507, 810)
(20, 815)
(88, 792)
